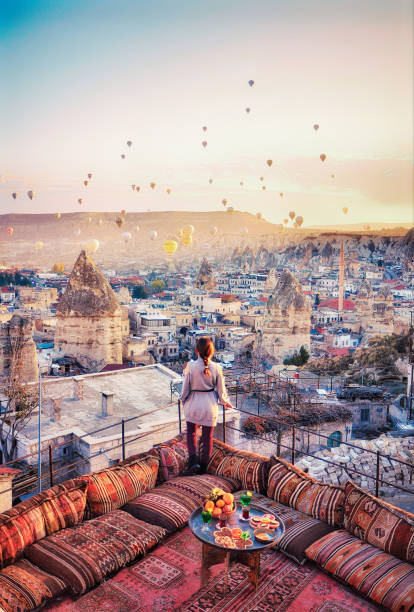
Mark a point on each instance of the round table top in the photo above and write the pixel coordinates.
(235, 520)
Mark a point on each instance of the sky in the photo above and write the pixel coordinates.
(85, 76)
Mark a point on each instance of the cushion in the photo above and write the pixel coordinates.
(301, 530)
(60, 506)
(369, 570)
(171, 504)
(84, 555)
(249, 468)
(379, 523)
(173, 456)
(112, 488)
(23, 586)
(290, 486)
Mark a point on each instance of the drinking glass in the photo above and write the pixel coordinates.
(245, 500)
(206, 517)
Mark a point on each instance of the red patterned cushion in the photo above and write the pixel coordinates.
(23, 587)
(379, 523)
(249, 468)
(290, 486)
(112, 488)
(31, 520)
(173, 456)
(372, 572)
(171, 504)
(84, 555)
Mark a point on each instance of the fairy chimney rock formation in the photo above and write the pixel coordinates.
(89, 325)
(205, 279)
(287, 321)
(18, 357)
(364, 304)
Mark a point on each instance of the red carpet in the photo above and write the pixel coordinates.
(169, 579)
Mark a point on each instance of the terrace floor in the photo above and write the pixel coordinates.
(168, 579)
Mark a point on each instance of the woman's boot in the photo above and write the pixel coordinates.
(193, 467)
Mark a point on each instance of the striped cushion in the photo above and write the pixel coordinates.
(290, 486)
(249, 468)
(372, 572)
(300, 530)
(379, 523)
(23, 586)
(173, 456)
(84, 555)
(171, 504)
(42, 514)
(112, 488)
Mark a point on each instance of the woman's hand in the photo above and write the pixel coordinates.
(228, 406)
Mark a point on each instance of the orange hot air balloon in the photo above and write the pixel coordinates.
(345, 210)
(269, 162)
(168, 191)
(292, 214)
(285, 221)
(210, 181)
(58, 215)
(79, 200)
(322, 156)
(224, 202)
(10, 231)
(262, 178)
(152, 185)
(281, 194)
(123, 212)
(299, 221)
(85, 183)
(137, 188)
(89, 175)
(264, 187)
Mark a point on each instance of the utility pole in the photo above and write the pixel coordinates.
(39, 468)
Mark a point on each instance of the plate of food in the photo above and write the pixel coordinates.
(264, 535)
(267, 521)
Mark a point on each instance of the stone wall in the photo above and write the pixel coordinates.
(348, 459)
(18, 350)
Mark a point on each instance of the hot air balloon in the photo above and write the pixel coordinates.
(259, 215)
(332, 176)
(129, 143)
(262, 178)
(168, 191)
(152, 235)
(58, 215)
(30, 194)
(212, 230)
(92, 245)
(14, 195)
(39, 245)
(281, 194)
(10, 231)
(137, 228)
(89, 175)
(77, 232)
(295, 225)
(152, 185)
(126, 236)
(299, 221)
(230, 210)
(188, 229)
(248, 110)
(186, 240)
(79, 200)
(137, 188)
(123, 212)
(170, 246)
(180, 233)
(120, 222)
(204, 143)
(244, 230)
(316, 127)
(85, 183)
(345, 210)
(285, 221)
(122, 155)
(58, 268)
(269, 162)
(224, 202)
(322, 156)
(133, 187)
(241, 183)
(204, 128)
(251, 82)
(292, 214)
(264, 187)
(210, 181)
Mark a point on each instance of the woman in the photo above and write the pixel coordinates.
(203, 388)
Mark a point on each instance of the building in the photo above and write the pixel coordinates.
(18, 350)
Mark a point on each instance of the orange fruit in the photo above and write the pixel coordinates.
(220, 503)
(209, 505)
(236, 532)
(228, 498)
(216, 512)
(228, 509)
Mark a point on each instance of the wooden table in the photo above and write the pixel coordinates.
(212, 553)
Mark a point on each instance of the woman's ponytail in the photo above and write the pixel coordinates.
(205, 349)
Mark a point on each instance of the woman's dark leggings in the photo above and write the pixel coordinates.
(206, 442)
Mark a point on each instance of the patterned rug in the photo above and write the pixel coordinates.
(169, 579)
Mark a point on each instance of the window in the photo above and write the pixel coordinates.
(364, 415)
(334, 439)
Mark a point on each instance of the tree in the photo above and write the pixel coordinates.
(139, 293)
(317, 299)
(157, 285)
(298, 359)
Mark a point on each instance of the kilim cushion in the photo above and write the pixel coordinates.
(173, 456)
(171, 504)
(112, 488)
(379, 523)
(300, 530)
(290, 486)
(249, 468)
(23, 586)
(369, 570)
(32, 519)
(85, 554)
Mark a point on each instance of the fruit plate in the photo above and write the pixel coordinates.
(264, 535)
(267, 521)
